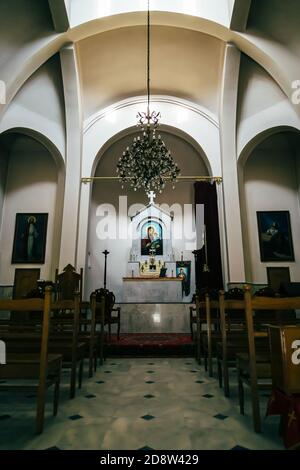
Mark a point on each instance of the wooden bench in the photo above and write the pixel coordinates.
(90, 335)
(62, 337)
(231, 341)
(211, 336)
(200, 320)
(41, 369)
(254, 366)
(98, 314)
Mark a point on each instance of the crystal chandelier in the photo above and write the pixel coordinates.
(147, 163)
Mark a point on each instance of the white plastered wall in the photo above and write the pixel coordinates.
(31, 186)
(269, 179)
(262, 105)
(197, 123)
(107, 192)
(38, 111)
(271, 184)
(39, 105)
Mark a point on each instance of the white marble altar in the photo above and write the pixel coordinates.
(151, 268)
(153, 290)
(154, 318)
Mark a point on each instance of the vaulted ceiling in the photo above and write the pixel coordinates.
(184, 63)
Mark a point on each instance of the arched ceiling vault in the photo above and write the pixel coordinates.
(184, 63)
(275, 57)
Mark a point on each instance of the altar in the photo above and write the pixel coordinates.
(152, 290)
(153, 274)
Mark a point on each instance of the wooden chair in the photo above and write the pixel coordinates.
(252, 366)
(22, 366)
(200, 320)
(64, 337)
(88, 333)
(98, 317)
(109, 309)
(212, 335)
(68, 283)
(193, 319)
(231, 342)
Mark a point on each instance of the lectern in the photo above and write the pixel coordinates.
(285, 358)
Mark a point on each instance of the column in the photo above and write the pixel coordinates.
(232, 214)
(68, 247)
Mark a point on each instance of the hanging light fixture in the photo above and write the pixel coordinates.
(147, 163)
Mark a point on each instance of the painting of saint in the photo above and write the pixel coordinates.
(183, 272)
(30, 238)
(275, 236)
(151, 239)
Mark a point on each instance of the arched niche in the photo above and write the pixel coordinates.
(32, 181)
(269, 178)
(108, 197)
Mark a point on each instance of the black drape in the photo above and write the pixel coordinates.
(206, 194)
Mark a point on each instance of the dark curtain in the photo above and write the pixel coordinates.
(206, 194)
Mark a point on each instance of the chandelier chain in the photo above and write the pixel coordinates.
(148, 59)
(147, 163)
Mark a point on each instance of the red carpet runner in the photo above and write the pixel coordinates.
(151, 344)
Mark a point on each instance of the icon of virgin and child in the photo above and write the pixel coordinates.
(151, 239)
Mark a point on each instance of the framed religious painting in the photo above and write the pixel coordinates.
(30, 238)
(183, 271)
(151, 238)
(275, 236)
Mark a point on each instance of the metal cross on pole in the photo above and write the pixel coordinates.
(105, 265)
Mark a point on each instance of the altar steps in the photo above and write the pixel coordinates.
(151, 345)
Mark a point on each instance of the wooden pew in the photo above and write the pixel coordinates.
(285, 358)
(62, 337)
(98, 315)
(252, 366)
(199, 320)
(234, 338)
(90, 335)
(210, 339)
(42, 367)
(193, 318)
(231, 341)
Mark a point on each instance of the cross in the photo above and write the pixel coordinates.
(151, 195)
(105, 252)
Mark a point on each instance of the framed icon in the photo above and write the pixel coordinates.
(275, 236)
(30, 238)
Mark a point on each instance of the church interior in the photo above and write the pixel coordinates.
(149, 218)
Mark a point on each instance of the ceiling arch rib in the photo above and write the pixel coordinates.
(60, 15)
(240, 15)
(276, 59)
(261, 137)
(39, 137)
(104, 126)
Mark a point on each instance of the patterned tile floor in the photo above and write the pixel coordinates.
(139, 403)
